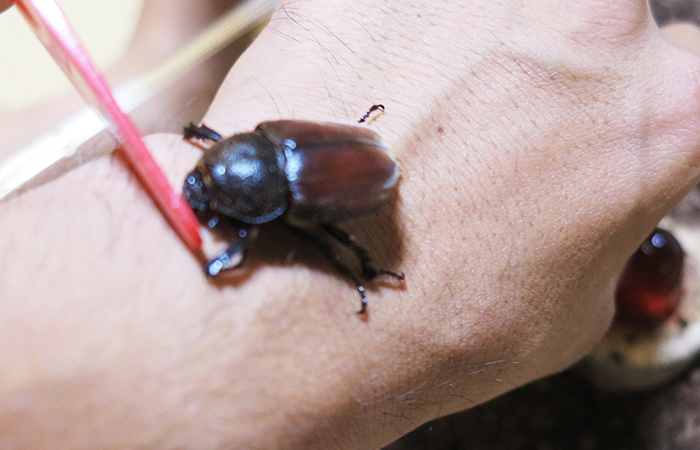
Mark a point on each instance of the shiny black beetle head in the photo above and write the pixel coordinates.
(196, 192)
(241, 177)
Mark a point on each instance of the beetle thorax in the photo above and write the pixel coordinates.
(244, 178)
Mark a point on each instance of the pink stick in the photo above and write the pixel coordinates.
(54, 31)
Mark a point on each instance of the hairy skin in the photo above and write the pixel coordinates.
(539, 143)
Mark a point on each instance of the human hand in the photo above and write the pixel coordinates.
(539, 143)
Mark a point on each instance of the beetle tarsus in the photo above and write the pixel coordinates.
(228, 259)
(201, 132)
(363, 301)
(369, 112)
(397, 275)
(369, 272)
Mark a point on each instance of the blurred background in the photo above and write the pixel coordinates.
(28, 75)
(163, 58)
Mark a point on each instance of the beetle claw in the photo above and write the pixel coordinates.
(363, 300)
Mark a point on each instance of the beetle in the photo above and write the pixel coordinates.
(293, 171)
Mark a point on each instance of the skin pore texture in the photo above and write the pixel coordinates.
(539, 142)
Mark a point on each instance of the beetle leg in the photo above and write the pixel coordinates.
(369, 272)
(231, 257)
(208, 218)
(201, 132)
(334, 258)
(369, 112)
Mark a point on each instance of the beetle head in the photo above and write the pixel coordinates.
(195, 191)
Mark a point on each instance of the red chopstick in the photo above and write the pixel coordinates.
(53, 30)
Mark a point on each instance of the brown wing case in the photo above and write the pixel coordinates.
(335, 171)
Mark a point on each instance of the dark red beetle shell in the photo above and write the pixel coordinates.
(334, 171)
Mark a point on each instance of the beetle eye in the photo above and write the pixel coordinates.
(651, 283)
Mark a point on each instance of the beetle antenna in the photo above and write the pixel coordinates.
(369, 112)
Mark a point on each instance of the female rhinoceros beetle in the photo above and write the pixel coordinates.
(292, 169)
